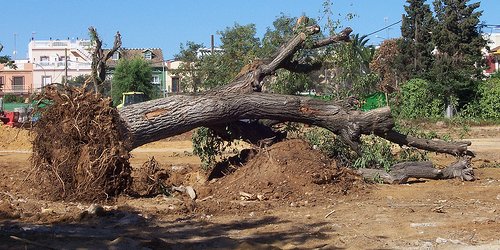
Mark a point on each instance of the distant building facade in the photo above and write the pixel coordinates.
(18, 81)
(54, 59)
(173, 81)
(492, 55)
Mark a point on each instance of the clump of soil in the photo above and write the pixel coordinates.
(288, 171)
(78, 152)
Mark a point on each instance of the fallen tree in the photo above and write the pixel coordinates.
(239, 106)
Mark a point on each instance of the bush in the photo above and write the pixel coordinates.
(12, 98)
(418, 101)
(486, 106)
(376, 152)
(489, 99)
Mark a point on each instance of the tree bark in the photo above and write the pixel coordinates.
(401, 172)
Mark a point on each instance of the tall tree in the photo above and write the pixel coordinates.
(384, 63)
(132, 75)
(416, 44)
(458, 40)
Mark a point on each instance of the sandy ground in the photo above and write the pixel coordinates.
(446, 214)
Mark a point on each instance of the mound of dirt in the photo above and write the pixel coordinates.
(14, 138)
(78, 152)
(289, 171)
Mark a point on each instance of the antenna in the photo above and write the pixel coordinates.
(15, 51)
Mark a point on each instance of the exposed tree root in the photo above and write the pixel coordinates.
(78, 152)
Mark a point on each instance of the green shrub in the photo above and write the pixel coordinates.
(376, 152)
(489, 99)
(418, 101)
(8, 98)
(209, 146)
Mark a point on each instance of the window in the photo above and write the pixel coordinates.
(155, 80)
(46, 80)
(116, 56)
(44, 59)
(18, 83)
(1, 83)
(175, 84)
(148, 55)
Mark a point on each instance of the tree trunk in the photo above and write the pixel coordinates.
(231, 104)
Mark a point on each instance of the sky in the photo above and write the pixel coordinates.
(166, 24)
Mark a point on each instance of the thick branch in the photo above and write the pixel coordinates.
(453, 148)
(401, 172)
(343, 36)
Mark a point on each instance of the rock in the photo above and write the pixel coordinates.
(190, 191)
(47, 211)
(293, 204)
(289, 246)
(483, 220)
(441, 240)
(96, 209)
(425, 224)
(124, 243)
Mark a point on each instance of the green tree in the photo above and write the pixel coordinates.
(286, 82)
(133, 75)
(459, 62)
(78, 81)
(240, 47)
(416, 44)
(351, 65)
(6, 60)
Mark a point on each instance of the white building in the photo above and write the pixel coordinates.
(54, 59)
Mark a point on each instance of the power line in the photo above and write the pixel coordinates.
(384, 28)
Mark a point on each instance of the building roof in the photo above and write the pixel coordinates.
(156, 53)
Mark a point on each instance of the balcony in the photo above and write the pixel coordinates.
(16, 90)
(61, 65)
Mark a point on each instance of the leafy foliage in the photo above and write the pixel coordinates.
(208, 146)
(418, 100)
(132, 75)
(8, 98)
(459, 61)
(376, 152)
(6, 60)
(487, 103)
(351, 68)
(416, 45)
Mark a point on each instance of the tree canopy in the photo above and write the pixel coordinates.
(132, 75)
(459, 61)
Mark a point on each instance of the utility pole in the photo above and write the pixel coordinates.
(212, 45)
(65, 66)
